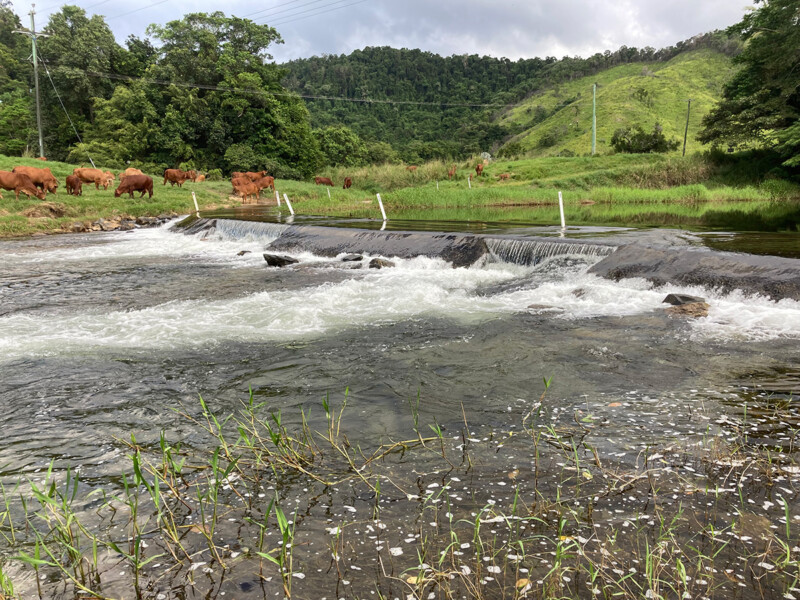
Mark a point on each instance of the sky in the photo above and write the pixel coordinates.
(501, 28)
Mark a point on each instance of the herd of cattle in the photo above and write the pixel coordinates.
(36, 182)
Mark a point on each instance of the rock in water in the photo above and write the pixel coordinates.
(276, 260)
(380, 263)
(243, 252)
(352, 258)
(690, 309)
(679, 299)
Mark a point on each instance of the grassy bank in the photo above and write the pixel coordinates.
(59, 211)
(635, 182)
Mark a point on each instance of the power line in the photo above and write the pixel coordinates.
(272, 8)
(290, 19)
(258, 92)
(135, 10)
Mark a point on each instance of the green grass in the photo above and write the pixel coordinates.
(27, 216)
(698, 75)
(636, 182)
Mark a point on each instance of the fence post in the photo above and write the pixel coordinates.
(380, 203)
(196, 208)
(289, 204)
(561, 209)
(278, 197)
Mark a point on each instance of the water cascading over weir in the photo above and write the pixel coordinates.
(770, 276)
(459, 249)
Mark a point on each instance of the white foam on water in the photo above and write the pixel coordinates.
(152, 242)
(418, 288)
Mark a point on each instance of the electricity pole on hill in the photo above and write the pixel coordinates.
(32, 33)
(686, 131)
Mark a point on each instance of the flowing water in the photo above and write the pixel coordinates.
(105, 335)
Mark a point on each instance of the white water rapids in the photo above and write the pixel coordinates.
(417, 289)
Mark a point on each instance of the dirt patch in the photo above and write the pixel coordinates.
(50, 210)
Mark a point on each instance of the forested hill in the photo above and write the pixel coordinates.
(441, 126)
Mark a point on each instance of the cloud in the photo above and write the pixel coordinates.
(501, 28)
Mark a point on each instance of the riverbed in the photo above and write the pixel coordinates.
(556, 385)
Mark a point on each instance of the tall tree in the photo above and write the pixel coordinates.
(761, 104)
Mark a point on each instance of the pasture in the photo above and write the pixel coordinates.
(636, 182)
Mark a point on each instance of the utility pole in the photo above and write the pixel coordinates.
(594, 118)
(33, 34)
(686, 131)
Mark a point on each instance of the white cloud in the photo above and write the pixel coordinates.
(510, 28)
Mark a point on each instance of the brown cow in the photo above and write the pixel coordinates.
(19, 182)
(411, 168)
(74, 186)
(249, 175)
(504, 176)
(451, 172)
(191, 174)
(348, 182)
(265, 182)
(175, 176)
(479, 169)
(41, 178)
(244, 187)
(95, 176)
(323, 181)
(41, 158)
(201, 178)
(129, 171)
(135, 183)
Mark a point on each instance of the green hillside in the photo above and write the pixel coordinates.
(559, 120)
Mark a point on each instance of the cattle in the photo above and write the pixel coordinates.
(411, 168)
(19, 182)
(265, 182)
(175, 176)
(252, 176)
(200, 178)
(504, 176)
(74, 185)
(135, 183)
(191, 174)
(41, 178)
(479, 169)
(129, 171)
(110, 177)
(40, 158)
(348, 182)
(323, 181)
(95, 176)
(451, 172)
(244, 187)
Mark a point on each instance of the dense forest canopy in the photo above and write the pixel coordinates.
(204, 91)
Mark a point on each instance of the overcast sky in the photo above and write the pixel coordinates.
(510, 28)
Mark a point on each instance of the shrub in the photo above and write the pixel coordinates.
(214, 175)
(634, 140)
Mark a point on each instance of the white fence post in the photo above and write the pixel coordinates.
(561, 208)
(278, 197)
(196, 208)
(289, 204)
(380, 203)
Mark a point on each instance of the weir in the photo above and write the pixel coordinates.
(233, 229)
(530, 251)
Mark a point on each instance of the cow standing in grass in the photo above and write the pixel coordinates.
(175, 176)
(41, 178)
(74, 185)
(323, 181)
(479, 169)
(348, 182)
(135, 183)
(19, 182)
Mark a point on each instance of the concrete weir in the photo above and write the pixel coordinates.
(771, 276)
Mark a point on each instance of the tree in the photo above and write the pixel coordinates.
(635, 140)
(761, 103)
(340, 146)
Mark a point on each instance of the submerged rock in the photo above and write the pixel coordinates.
(352, 258)
(679, 299)
(243, 252)
(276, 260)
(690, 309)
(380, 263)
(147, 221)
